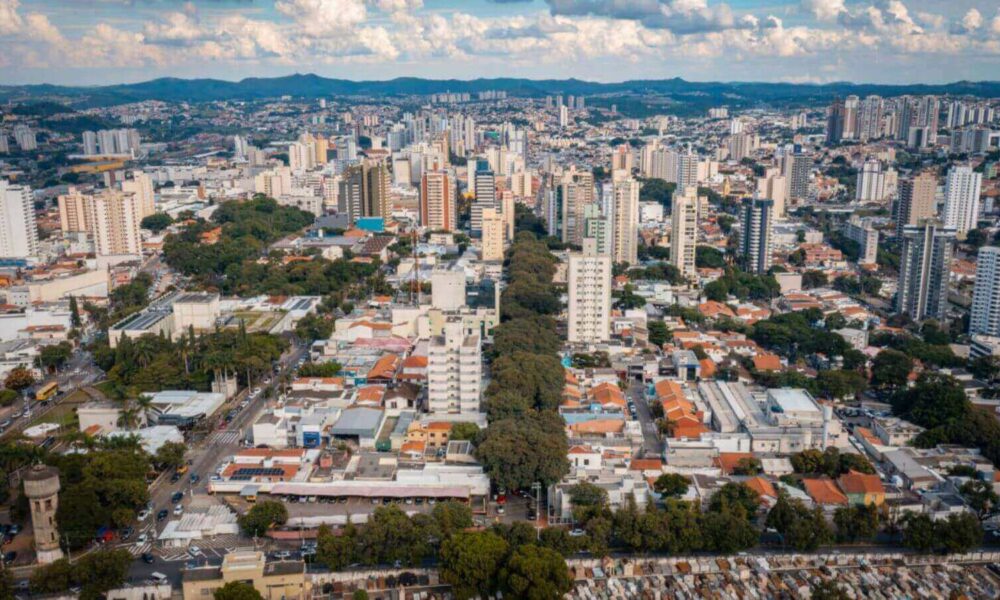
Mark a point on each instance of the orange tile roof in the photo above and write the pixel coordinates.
(693, 431)
(767, 362)
(868, 435)
(727, 461)
(370, 393)
(708, 368)
(415, 362)
(608, 394)
(645, 464)
(384, 368)
(580, 450)
(598, 426)
(762, 486)
(439, 426)
(854, 482)
(824, 491)
(415, 447)
(712, 308)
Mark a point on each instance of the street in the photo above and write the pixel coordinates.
(652, 445)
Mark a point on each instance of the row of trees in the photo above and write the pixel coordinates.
(525, 442)
(94, 573)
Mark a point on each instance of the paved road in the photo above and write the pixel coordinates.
(652, 445)
(79, 371)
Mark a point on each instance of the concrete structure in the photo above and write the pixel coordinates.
(141, 186)
(454, 371)
(684, 232)
(589, 284)
(41, 486)
(493, 233)
(197, 311)
(18, 232)
(961, 199)
(115, 219)
(276, 580)
(448, 289)
(755, 235)
(73, 211)
(102, 415)
(925, 263)
(625, 220)
(985, 314)
(184, 407)
(916, 200)
(484, 187)
(438, 210)
(861, 232)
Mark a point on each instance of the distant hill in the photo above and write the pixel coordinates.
(312, 86)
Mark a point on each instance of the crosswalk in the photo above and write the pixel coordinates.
(139, 549)
(223, 438)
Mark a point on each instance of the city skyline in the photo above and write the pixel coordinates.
(812, 41)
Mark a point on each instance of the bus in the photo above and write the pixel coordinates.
(47, 391)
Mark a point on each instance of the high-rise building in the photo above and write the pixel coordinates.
(4, 144)
(115, 218)
(625, 221)
(485, 189)
(836, 116)
(916, 200)
(755, 234)
(364, 190)
(985, 314)
(494, 231)
(574, 194)
(961, 199)
(684, 232)
(18, 232)
(25, 137)
(454, 371)
(274, 183)
(589, 286)
(865, 235)
(598, 228)
(142, 186)
(73, 211)
(870, 119)
(852, 105)
(687, 170)
(563, 116)
(875, 183)
(796, 171)
(438, 209)
(301, 156)
(89, 143)
(773, 186)
(925, 262)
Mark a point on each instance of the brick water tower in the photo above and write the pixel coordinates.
(41, 485)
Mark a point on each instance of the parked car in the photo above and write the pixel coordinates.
(9, 557)
(127, 533)
(175, 478)
(577, 533)
(176, 497)
(147, 557)
(142, 539)
(162, 514)
(194, 550)
(143, 515)
(178, 510)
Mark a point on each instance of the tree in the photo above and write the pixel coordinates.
(390, 535)
(156, 222)
(985, 367)
(935, 400)
(707, 257)
(827, 589)
(518, 452)
(659, 333)
(856, 523)
(801, 528)
(19, 378)
(671, 484)
(813, 279)
(919, 532)
(320, 369)
(54, 356)
(535, 573)
(314, 327)
(735, 494)
(336, 551)
(170, 455)
(464, 431)
(728, 530)
(890, 369)
(980, 497)
(451, 517)
(748, 466)
(74, 313)
(237, 590)
(588, 500)
(558, 539)
(471, 563)
(262, 517)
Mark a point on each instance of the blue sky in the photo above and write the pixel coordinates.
(114, 41)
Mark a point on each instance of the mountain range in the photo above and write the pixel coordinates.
(312, 86)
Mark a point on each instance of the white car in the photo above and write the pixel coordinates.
(577, 533)
(143, 515)
(178, 510)
(194, 551)
(256, 391)
(141, 539)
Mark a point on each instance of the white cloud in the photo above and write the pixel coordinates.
(10, 21)
(824, 10)
(972, 21)
(324, 17)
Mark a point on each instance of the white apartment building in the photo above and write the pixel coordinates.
(448, 289)
(961, 199)
(985, 314)
(684, 232)
(626, 220)
(18, 232)
(589, 276)
(73, 211)
(438, 211)
(142, 186)
(454, 371)
(115, 218)
(494, 230)
(861, 231)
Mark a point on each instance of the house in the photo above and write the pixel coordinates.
(767, 362)
(279, 579)
(862, 488)
(825, 493)
(584, 457)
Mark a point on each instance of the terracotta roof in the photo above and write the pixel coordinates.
(727, 461)
(708, 368)
(439, 426)
(370, 393)
(581, 450)
(762, 486)
(824, 491)
(415, 362)
(712, 308)
(854, 482)
(598, 426)
(767, 362)
(645, 464)
(608, 393)
(415, 447)
(384, 368)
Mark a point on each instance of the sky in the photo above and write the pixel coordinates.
(96, 42)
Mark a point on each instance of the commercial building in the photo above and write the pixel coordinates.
(589, 284)
(925, 263)
(984, 317)
(485, 188)
(18, 232)
(275, 580)
(195, 311)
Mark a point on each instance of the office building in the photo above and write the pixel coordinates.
(364, 190)
(835, 122)
(115, 218)
(454, 371)
(73, 211)
(438, 211)
(485, 189)
(493, 234)
(797, 167)
(18, 232)
(625, 221)
(961, 199)
(589, 287)
(574, 194)
(925, 263)
(755, 234)
(684, 232)
(984, 318)
(916, 200)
